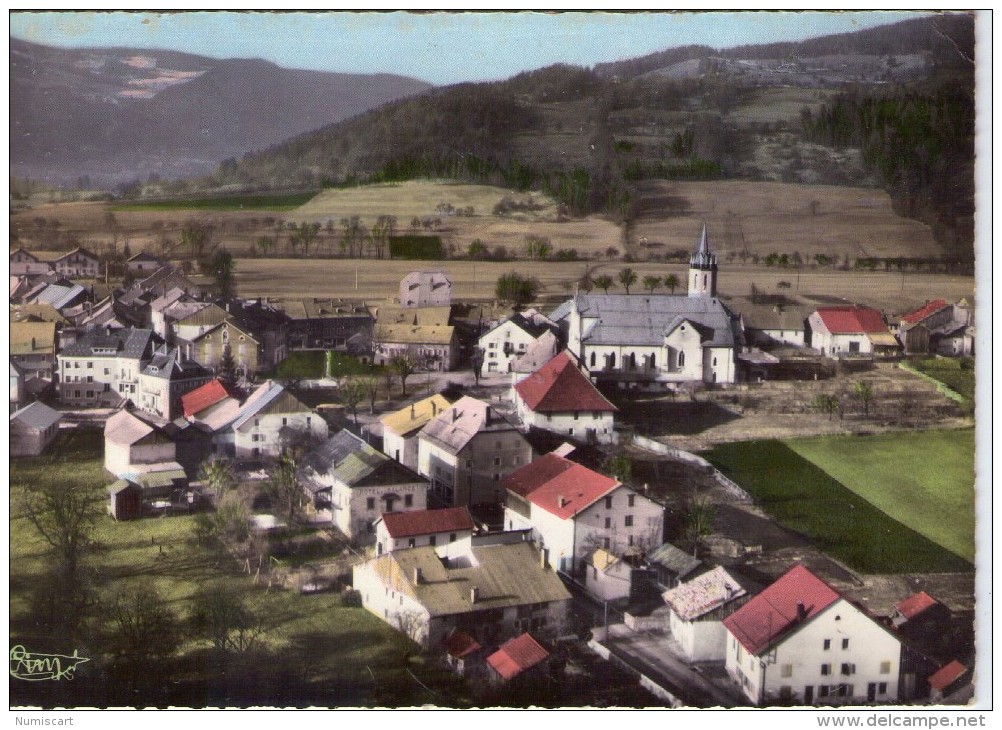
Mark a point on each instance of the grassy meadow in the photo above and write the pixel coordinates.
(314, 651)
(954, 373)
(277, 202)
(878, 524)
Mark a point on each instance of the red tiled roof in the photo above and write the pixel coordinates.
(922, 312)
(516, 656)
(459, 644)
(916, 604)
(849, 320)
(427, 521)
(203, 396)
(774, 612)
(559, 386)
(558, 485)
(947, 675)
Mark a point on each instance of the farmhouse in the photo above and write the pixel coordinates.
(511, 339)
(143, 263)
(270, 419)
(32, 429)
(774, 325)
(560, 398)
(33, 348)
(24, 263)
(356, 484)
(572, 510)
(425, 289)
(940, 327)
(430, 347)
(697, 610)
(467, 450)
(78, 263)
(398, 530)
(401, 428)
(492, 592)
(800, 642)
(845, 331)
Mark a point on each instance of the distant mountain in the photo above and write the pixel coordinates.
(118, 114)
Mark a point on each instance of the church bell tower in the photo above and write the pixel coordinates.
(703, 269)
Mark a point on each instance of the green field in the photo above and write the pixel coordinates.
(278, 202)
(848, 525)
(315, 651)
(954, 373)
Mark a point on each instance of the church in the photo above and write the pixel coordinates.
(655, 341)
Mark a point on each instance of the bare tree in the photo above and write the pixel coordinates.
(351, 392)
(222, 617)
(370, 384)
(699, 522)
(283, 487)
(403, 367)
(64, 515)
(218, 474)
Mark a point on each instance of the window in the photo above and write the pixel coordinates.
(845, 690)
(681, 358)
(848, 669)
(408, 500)
(575, 415)
(411, 543)
(469, 463)
(605, 543)
(608, 522)
(608, 502)
(452, 537)
(257, 422)
(629, 540)
(845, 643)
(882, 688)
(497, 477)
(497, 461)
(431, 540)
(630, 499)
(714, 362)
(370, 503)
(285, 421)
(822, 690)
(786, 670)
(885, 667)
(826, 669)
(107, 372)
(90, 366)
(628, 522)
(828, 644)
(307, 422)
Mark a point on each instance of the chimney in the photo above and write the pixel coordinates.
(434, 408)
(801, 611)
(455, 415)
(544, 558)
(417, 576)
(474, 594)
(561, 501)
(413, 415)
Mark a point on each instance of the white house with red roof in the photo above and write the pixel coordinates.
(560, 398)
(940, 327)
(850, 330)
(572, 511)
(800, 642)
(435, 527)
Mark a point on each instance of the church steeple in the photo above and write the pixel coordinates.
(703, 269)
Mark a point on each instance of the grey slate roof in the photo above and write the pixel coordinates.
(262, 396)
(645, 319)
(166, 364)
(131, 343)
(36, 415)
(351, 461)
(677, 561)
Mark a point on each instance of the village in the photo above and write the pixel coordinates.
(531, 493)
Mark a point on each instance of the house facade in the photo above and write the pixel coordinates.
(800, 642)
(103, 366)
(132, 444)
(435, 527)
(511, 339)
(33, 348)
(697, 610)
(430, 347)
(401, 428)
(572, 511)
(940, 327)
(167, 377)
(425, 289)
(269, 420)
(560, 398)
(493, 593)
(846, 331)
(324, 323)
(467, 450)
(357, 485)
(78, 263)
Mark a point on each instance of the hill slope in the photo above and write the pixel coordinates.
(118, 114)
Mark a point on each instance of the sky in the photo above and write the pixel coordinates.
(441, 47)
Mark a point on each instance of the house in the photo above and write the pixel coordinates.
(32, 429)
(401, 428)
(921, 617)
(608, 577)
(164, 310)
(430, 347)
(521, 658)
(78, 263)
(199, 403)
(270, 419)
(33, 348)
(165, 278)
(165, 378)
(60, 296)
(656, 341)
(466, 450)
(539, 352)
(25, 263)
(940, 327)
(462, 652)
(844, 331)
(103, 366)
(398, 530)
(143, 263)
(775, 325)
(324, 323)
(165, 491)
(134, 443)
(253, 334)
(425, 289)
(494, 592)
(572, 510)
(560, 398)
(18, 394)
(672, 566)
(949, 681)
(510, 339)
(357, 484)
(697, 610)
(800, 642)
(421, 317)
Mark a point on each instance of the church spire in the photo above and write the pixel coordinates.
(703, 269)
(702, 258)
